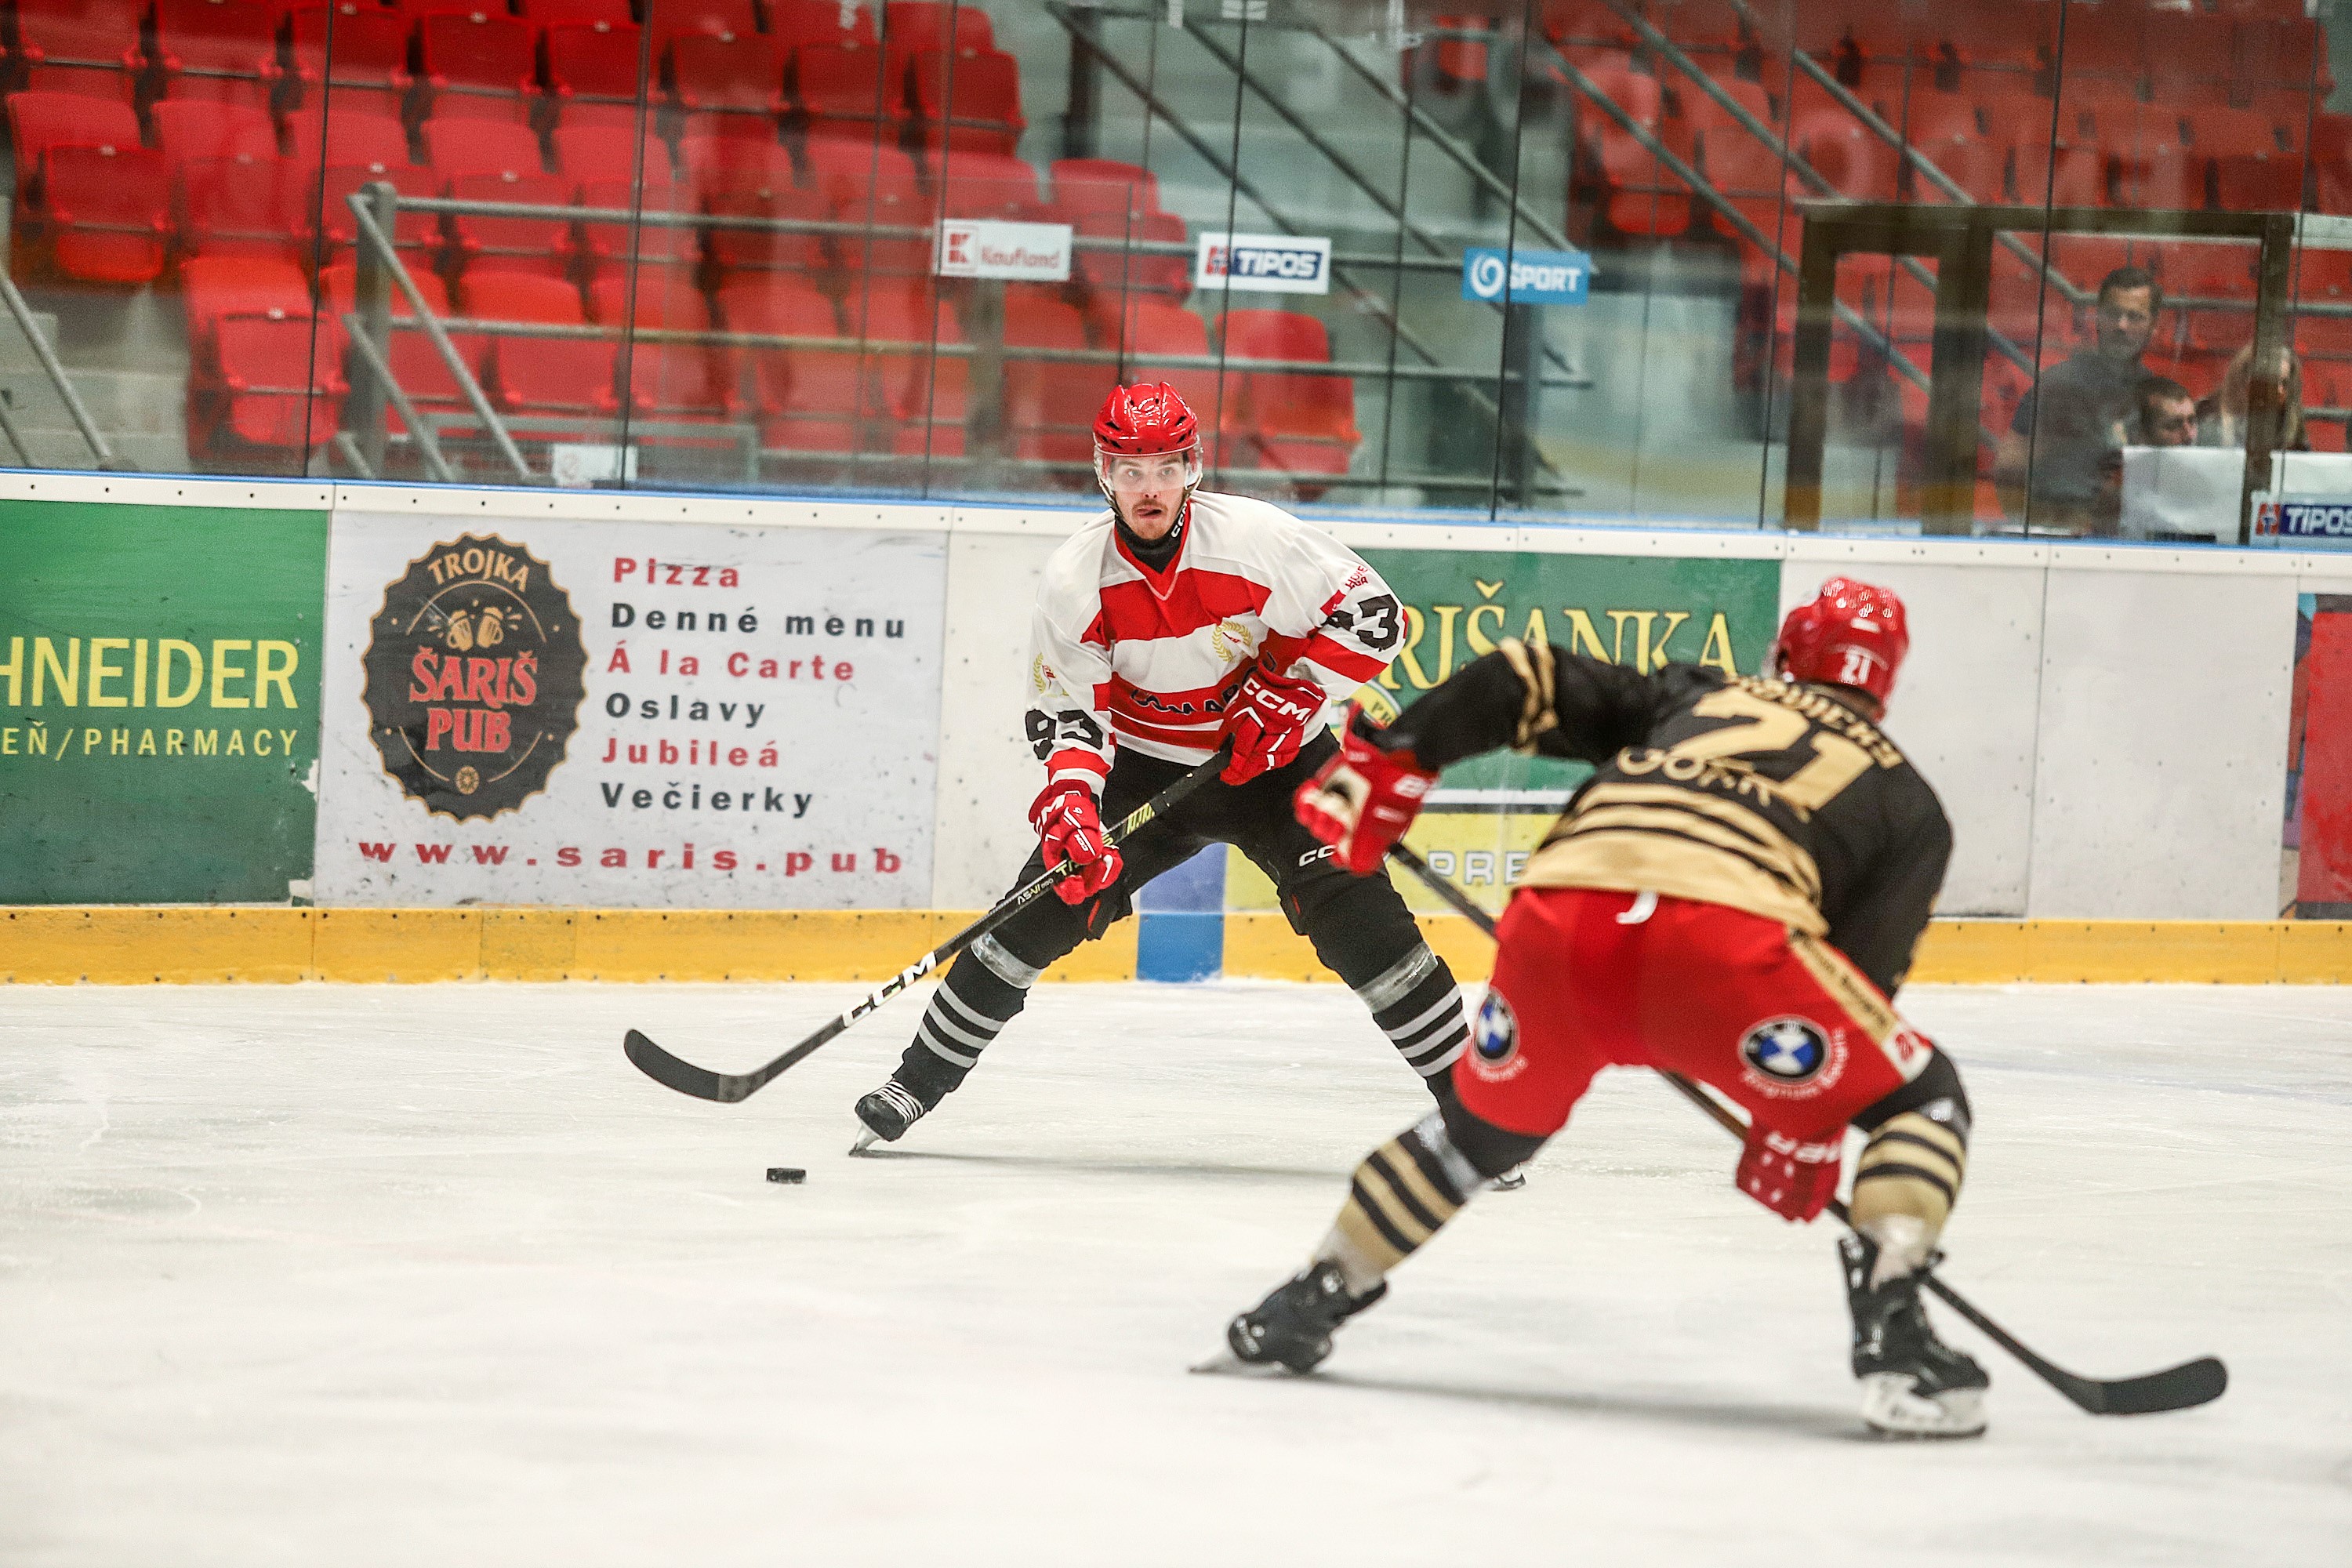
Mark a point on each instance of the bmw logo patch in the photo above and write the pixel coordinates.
(1785, 1050)
(1494, 1034)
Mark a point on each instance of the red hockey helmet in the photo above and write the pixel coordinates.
(1849, 634)
(1145, 420)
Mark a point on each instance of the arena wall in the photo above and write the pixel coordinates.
(2108, 727)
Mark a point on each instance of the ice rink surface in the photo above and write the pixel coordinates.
(430, 1274)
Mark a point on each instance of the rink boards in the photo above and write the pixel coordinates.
(132, 946)
(452, 733)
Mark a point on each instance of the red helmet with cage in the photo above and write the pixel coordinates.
(1145, 420)
(1849, 634)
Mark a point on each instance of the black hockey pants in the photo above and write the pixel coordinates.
(1358, 926)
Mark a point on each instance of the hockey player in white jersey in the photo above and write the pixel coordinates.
(1171, 624)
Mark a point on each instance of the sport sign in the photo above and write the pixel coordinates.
(1535, 276)
(1263, 263)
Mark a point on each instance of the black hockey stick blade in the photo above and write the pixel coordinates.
(726, 1088)
(2182, 1387)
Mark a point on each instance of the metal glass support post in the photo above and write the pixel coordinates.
(101, 453)
(1809, 389)
(1947, 497)
(1082, 119)
(2265, 392)
(363, 408)
(1522, 399)
(984, 416)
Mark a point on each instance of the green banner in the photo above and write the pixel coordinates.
(1639, 611)
(159, 702)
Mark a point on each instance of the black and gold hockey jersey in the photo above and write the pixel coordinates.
(1760, 795)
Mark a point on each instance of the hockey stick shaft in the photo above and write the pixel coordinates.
(728, 1087)
(2175, 1388)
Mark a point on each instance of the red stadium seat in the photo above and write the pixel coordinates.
(2258, 183)
(988, 185)
(1645, 196)
(424, 375)
(809, 399)
(369, 63)
(592, 72)
(611, 245)
(2163, 175)
(223, 49)
(2216, 129)
(912, 24)
(731, 86)
(712, 163)
(670, 20)
(478, 64)
(352, 136)
(1978, 164)
(247, 204)
(1103, 185)
(667, 381)
(866, 183)
(1111, 276)
(514, 244)
(737, 250)
(2065, 174)
(281, 387)
(417, 234)
(1934, 117)
(609, 153)
(847, 89)
(89, 198)
(969, 98)
(1050, 405)
(1150, 325)
(578, 13)
(1855, 161)
(189, 129)
(924, 393)
(1287, 420)
(2186, 53)
(552, 379)
(454, 147)
(792, 23)
(2104, 40)
(86, 47)
(2281, 52)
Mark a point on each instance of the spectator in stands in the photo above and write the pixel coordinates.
(2222, 418)
(2051, 465)
(2168, 414)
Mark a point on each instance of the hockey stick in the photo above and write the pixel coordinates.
(728, 1087)
(2191, 1383)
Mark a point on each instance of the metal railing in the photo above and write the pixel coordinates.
(376, 392)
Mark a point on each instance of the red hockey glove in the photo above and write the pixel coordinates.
(1362, 800)
(1071, 829)
(1795, 1180)
(1266, 721)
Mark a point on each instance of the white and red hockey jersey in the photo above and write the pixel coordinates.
(1124, 656)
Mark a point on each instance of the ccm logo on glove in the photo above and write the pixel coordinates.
(1266, 721)
(1070, 831)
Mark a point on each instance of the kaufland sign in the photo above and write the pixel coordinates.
(1263, 263)
(989, 247)
(1536, 277)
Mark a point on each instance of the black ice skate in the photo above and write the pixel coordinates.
(1913, 1383)
(1293, 1327)
(888, 1112)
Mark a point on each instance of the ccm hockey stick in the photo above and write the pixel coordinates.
(2191, 1383)
(728, 1087)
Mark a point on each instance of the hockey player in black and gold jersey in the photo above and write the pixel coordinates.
(1735, 896)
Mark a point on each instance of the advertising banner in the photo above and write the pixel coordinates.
(992, 247)
(160, 671)
(1535, 276)
(629, 715)
(2316, 873)
(1488, 814)
(1263, 263)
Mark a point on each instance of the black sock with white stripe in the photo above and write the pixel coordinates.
(1419, 1007)
(984, 990)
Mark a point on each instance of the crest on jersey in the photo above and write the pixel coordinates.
(1231, 639)
(1791, 1056)
(1495, 1040)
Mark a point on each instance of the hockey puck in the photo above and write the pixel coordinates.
(787, 1174)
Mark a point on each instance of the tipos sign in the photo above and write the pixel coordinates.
(474, 677)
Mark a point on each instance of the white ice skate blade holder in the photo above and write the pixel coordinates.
(1891, 1408)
